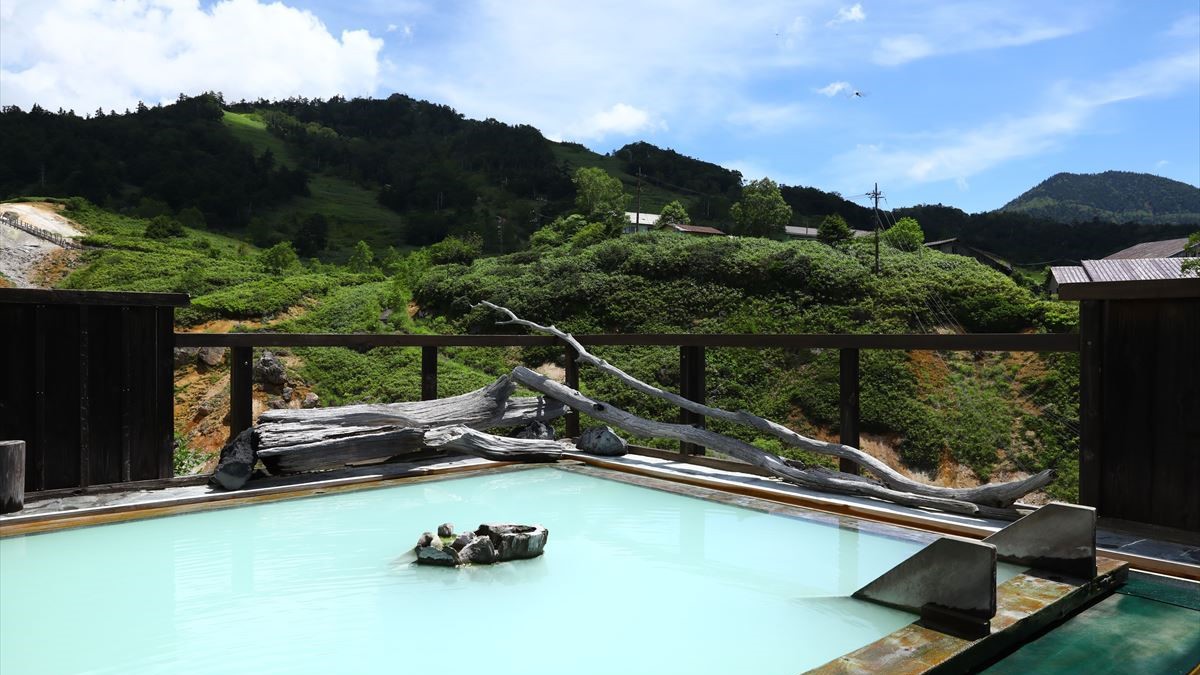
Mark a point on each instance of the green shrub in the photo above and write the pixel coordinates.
(163, 227)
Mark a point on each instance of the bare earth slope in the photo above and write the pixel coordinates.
(21, 253)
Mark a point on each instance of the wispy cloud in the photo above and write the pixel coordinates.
(768, 118)
(959, 154)
(852, 14)
(834, 88)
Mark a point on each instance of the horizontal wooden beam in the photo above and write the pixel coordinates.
(44, 296)
(1023, 342)
(1141, 289)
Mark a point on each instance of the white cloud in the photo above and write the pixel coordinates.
(85, 54)
(621, 119)
(392, 28)
(852, 14)
(834, 88)
(959, 154)
(893, 51)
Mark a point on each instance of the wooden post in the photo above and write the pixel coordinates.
(12, 476)
(1091, 357)
(691, 387)
(85, 455)
(241, 380)
(164, 379)
(848, 384)
(38, 460)
(572, 381)
(126, 395)
(429, 373)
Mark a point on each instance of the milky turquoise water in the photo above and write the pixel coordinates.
(634, 580)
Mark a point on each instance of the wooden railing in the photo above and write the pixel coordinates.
(691, 359)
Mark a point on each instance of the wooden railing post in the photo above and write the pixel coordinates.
(848, 403)
(241, 383)
(572, 380)
(691, 387)
(429, 373)
(1091, 351)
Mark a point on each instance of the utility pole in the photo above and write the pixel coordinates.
(876, 194)
(637, 221)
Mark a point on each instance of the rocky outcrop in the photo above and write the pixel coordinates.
(237, 462)
(268, 369)
(490, 543)
(536, 430)
(602, 441)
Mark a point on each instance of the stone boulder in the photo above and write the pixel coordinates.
(268, 369)
(480, 551)
(311, 400)
(602, 441)
(183, 356)
(515, 542)
(237, 462)
(210, 357)
(537, 430)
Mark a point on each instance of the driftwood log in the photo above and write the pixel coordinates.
(290, 441)
(994, 498)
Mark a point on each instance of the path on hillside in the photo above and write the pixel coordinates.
(21, 252)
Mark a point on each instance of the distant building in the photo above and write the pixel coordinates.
(639, 222)
(955, 247)
(1157, 277)
(695, 229)
(1167, 248)
(796, 232)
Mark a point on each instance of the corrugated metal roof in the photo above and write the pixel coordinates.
(1133, 269)
(697, 229)
(941, 241)
(1151, 249)
(1069, 275)
(811, 232)
(641, 218)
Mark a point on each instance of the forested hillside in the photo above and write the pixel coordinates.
(400, 173)
(1110, 197)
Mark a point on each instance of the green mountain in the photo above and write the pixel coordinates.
(1111, 197)
(325, 174)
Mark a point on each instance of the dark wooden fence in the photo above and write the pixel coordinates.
(691, 359)
(87, 383)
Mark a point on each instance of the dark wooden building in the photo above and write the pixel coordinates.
(86, 381)
(1139, 388)
(955, 247)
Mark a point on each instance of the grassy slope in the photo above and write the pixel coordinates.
(354, 212)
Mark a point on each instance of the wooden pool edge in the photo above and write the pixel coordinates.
(20, 525)
(909, 520)
(15, 526)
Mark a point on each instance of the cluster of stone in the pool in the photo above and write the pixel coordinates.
(490, 543)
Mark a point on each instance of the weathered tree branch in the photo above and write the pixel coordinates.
(496, 448)
(825, 481)
(993, 494)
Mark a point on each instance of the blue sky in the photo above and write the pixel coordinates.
(966, 103)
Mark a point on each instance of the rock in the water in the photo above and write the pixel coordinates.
(311, 400)
(445, 530)
(515, 542)
(425, 539)
(462, 540)
(537, 430)
(237, 462)
(444, 557)
(210, 357)
(268, 369)
(601, 441)
(479, 551)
